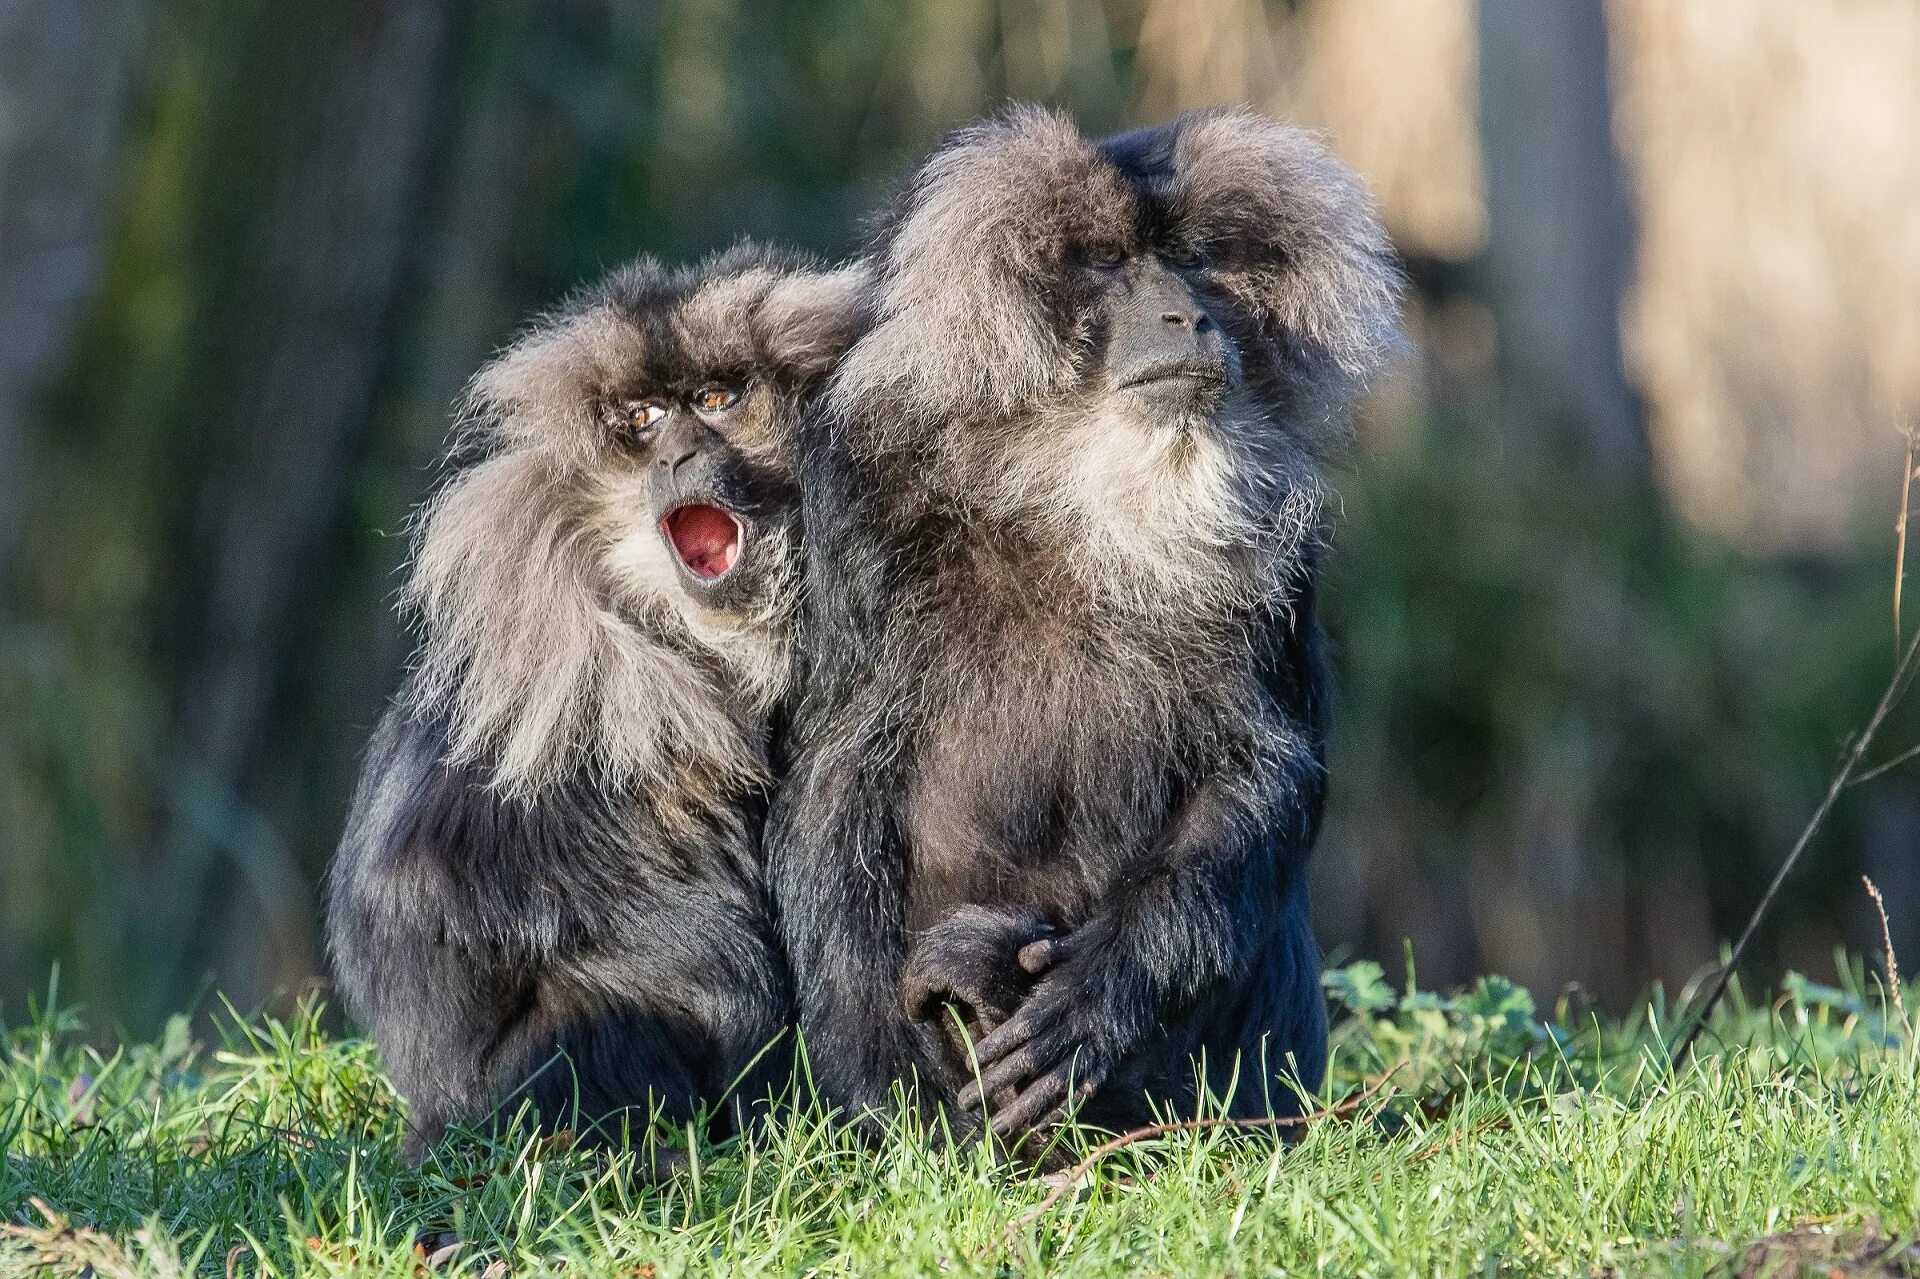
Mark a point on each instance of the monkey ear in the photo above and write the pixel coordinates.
(1293, 237)
(542, 392)
(808, 319)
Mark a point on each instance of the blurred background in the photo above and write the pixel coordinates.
(1614, 573)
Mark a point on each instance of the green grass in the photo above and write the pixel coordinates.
(1505, 1141)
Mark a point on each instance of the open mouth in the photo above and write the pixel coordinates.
(707, 539)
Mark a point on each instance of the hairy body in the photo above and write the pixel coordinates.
(1063, 678)
(550, 887)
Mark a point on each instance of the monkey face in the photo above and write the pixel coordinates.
(660, 406)
(689, 513)
(1031, 271)
(1136, 351)
(628, 526)
(1163, 354)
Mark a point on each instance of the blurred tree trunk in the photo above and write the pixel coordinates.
(315, 164)
(1559, 253)
(1560, 230)
(66, 67)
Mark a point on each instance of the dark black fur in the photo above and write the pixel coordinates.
(1010, 712)
(567, 951)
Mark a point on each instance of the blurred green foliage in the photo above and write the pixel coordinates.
(1576, 735)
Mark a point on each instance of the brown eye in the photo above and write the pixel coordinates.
(641, 414)
(1107, 255)
(715, 399)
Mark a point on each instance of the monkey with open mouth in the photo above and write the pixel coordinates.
(550, 885)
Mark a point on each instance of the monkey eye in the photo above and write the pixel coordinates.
(717, 398)
(642, 414)
(1106, 255)
(1186, 257)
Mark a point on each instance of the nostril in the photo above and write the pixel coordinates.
(1173, 317)
(672, 465)
(1202, 322)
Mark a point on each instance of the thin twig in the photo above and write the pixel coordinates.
(1892, 960)
(1900, 540)
(1849, 774)
(1886, 766)
(1453, 1140)
(1902, 675)
(1071, 1178)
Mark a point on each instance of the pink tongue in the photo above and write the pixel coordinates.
(706, 539)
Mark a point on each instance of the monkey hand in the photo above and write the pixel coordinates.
(975, 960)
(1047, 1055)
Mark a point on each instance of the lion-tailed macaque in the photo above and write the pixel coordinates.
(551, 889)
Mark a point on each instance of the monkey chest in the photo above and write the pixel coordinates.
(1042, 756)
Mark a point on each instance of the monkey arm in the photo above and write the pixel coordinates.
(438, 965)
(430, 849)
(454, 1028)
(1196, 907)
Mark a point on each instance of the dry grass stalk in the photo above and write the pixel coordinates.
(1892, 960)
(1900, 536)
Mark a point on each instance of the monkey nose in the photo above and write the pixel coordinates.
(672, 465)
(1197, 320)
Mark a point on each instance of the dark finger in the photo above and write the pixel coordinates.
(957, 1037)
(959, 1027)
(1006, 1073)
(1046, 1099)
(985, 1021)
(976, 1005)
(1036, 1102)
(1012, 1033)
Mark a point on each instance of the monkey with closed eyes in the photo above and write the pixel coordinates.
(1059, 748)
(550, 886)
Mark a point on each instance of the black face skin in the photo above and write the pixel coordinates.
(1059, 754)
(1162, 344)
(549, 889)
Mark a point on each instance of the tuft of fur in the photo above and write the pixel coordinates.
(1297, 244)
(962, 321)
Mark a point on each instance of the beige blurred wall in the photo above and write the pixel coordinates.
(1775, 320)
(1773, 151)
